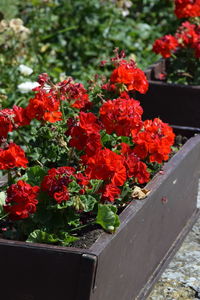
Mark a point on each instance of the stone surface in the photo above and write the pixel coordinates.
(181, 280)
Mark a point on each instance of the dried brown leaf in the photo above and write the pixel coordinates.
(139, 193)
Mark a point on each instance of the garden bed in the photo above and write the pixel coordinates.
(123, 265)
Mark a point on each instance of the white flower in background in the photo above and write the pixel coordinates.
(128, 4)
(17, 26)
(3, 25)
(46, 87)
(125, 12)
(25, 70)
(27, 86)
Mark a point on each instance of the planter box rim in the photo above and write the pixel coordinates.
(167, 84)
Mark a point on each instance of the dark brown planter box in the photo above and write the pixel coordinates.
(122, 266)
(175, 103)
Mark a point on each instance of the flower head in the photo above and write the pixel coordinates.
(107, 165)
(165, 45)
(121, 115)
(154, 141)
(56, 181)
(131, 76)
(21, 200)
(187, 8)
(11, 157)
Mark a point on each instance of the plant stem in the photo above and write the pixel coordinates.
(1, 218)
(83, 226)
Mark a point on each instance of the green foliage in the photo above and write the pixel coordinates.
(39, 236)
(39, 144)
(88, 202)
(9, 8)
(72, 37)
(35, 175)
(107, 217)
(184, 68)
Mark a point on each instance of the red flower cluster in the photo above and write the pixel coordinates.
(11, 119)
(12, 157)
(56, 182)
(44, 106)
(187, 8)
(6, 123)
(85, 134)
(74, 92)
(186, 36)
(109, 193)
(107, 165)
(154, 141)
(121, 115)
(134, 166)
(165, 45)
(21, 200)
(130, 76)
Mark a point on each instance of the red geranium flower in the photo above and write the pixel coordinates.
(20, 116)
(75, 93)
(85, 134)
(187, 8)
(107, 165)
(21, 200)
(6, 122)
(55, 183)
(187, 35)
(12, 157)
(121, 116)
(134, 166)
(129, 75)
(110, 192)
(44, 106)
(154, 141)
(165, 45)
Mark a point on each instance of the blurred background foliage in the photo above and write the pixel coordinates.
(71, 37)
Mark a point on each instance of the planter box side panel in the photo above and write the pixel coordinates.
(146, 235)
(174, 104)
(34, 273)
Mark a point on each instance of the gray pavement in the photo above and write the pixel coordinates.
(181, 280)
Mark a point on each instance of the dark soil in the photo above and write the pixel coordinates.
(87, 238)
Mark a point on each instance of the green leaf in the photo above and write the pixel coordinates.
(66, 239)
(106, 138)
(89, 202)
(39, 236)
(126, 191)
(95, 183)
(59, 206)
(35, 175)
(107, 217)
(73, 187)
(126, 139)
(62, 238)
